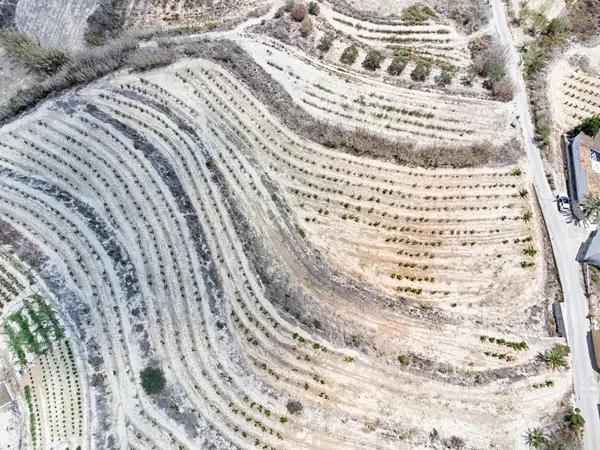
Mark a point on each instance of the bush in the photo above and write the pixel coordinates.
(313, 8)
(417, 13)
(349, 55)
(590, 126)
(45, 59)
(299, 11)
(575, 420)
(491, 63)
(503, 90)
(306, 26)
(421, 71)
(326, 42)
(555, 27)
(153, 380)
(397, 65)
(446, 77)
(373, 60)
(403, 359)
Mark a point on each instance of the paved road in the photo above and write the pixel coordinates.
(566, 240)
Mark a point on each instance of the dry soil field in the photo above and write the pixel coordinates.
(294, 295)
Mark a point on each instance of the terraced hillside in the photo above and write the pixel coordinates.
(194, 13)
(293, 295)
(356, 102)
(55, 23)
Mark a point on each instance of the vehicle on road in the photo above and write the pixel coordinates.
(563, 203)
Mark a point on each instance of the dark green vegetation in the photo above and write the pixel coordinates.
(326, 42)
(32, 427)
(556, 358)
(33, 329)
(590, 126)
(373, 60)
(349, 55)
(397, 65)
(153, 380)
(418, 13)
(421, 71)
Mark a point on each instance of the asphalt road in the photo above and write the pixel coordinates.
(566, 239)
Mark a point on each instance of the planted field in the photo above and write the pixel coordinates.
(338, 96)
(187, 13)
(293, 296)
(49, 377)
(429, 39)
(581, 96)
(55, 23)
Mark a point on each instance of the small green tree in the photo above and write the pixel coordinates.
(313, 8)
(446, 77)
(153, 380)
(397, 65)
(373, 60)
(326, 42)
(421, 71)
(557, 356)
(536, 438)
(575, 420)
(590, 126)
(555, 26)
(349, 55)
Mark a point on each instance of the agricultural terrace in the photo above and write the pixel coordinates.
(429, 39)
(49, 378)
(339, 96)
(188, 13)
(573, 90)
(55, 23)
(293, 296)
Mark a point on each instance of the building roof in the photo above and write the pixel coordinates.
(580, 183)
(590, 142)
(591, 250)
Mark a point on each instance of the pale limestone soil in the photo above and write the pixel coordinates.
(222, 352)
(55, 23)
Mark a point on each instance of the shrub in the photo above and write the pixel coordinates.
(555, 27)
(150, 58)
(306, 26)
(590, 126)
(446, 77)
(299, 11)
(153, 380)
(48, 60)
(403, 359)
(326, 42)
(417, 13)
(313, 8)
(349, 55)
(575, 420)
(503, 89)
(421, 71)
(491, 63)
(556, 357)
(373, 60)
(397, 65)
(294, 407)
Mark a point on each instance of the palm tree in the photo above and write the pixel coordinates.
(535, 437)
(591, 208)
